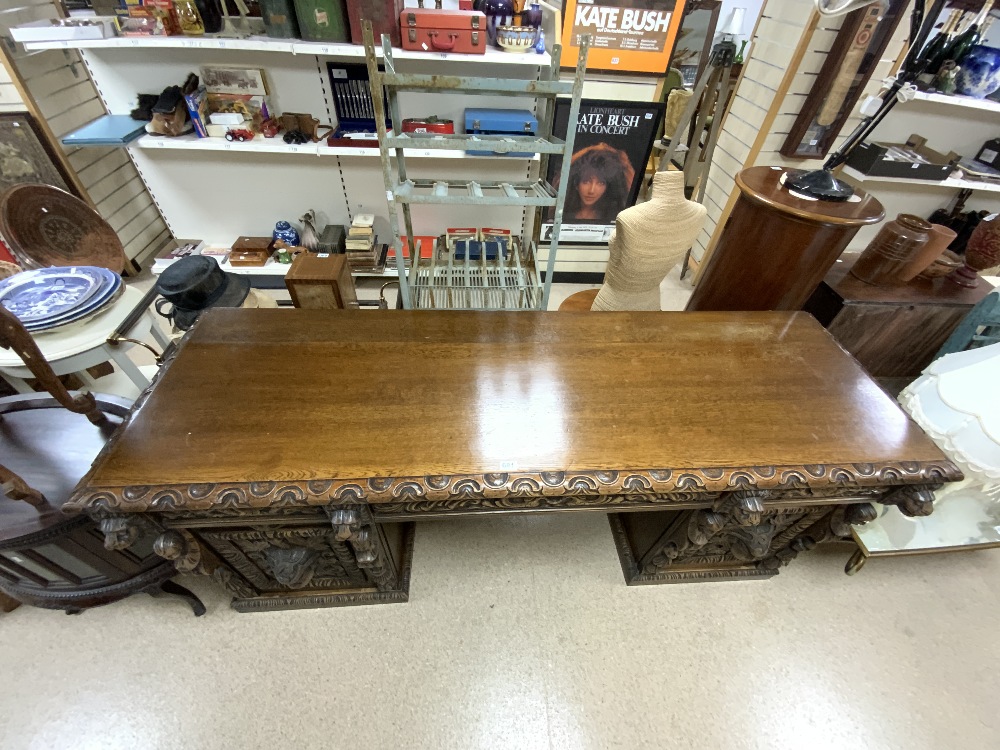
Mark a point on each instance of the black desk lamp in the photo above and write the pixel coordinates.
(820, 183)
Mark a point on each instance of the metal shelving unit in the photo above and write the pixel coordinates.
(442, 281)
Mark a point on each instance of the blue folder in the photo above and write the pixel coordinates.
(110, 130)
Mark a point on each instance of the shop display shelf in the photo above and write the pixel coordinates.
(432, 84)
(513, 193)
(497, 144)
(261, 145)
(273, 268)
(506, 283)
(494, 285)
(956, 100)
(341, 51)
(951, 183)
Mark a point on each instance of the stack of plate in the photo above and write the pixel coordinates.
(48, 298)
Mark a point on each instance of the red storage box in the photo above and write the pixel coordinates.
(431, 30)
(383, 14)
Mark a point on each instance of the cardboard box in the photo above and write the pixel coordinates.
(912, 160)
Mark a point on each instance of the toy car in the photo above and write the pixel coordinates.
(239, 134)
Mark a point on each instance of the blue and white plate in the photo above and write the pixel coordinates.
(109, 292)
(34, 296)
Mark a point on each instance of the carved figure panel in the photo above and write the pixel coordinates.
(296, 558)
(738, 530)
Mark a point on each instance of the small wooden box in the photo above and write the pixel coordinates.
(250, 251)
(319, 281)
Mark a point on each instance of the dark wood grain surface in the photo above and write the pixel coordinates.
(776, 248)
(893, 332)
(763, 185)
(937, 291)
(291, 395)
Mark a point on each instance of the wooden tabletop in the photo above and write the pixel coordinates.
(318, 401)
(763, 185)
(937, 291)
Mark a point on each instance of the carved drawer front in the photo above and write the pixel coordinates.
(300, 558)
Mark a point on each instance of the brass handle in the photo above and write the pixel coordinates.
(114, 339)
(383, 303)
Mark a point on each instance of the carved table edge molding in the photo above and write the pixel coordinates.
(505, 491)
(399, 595)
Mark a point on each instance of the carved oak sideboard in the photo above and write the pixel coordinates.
(287, 453)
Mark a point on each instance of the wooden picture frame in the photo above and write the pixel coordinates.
(847, 69)
(26, 155)
(620, 40)
(707, 10)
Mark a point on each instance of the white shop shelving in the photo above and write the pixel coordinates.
(952, 183)
(216, 190)
(986, 105)
(949, 123)
(261, 145)
(341, 51)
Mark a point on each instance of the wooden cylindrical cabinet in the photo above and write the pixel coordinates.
(776, 248)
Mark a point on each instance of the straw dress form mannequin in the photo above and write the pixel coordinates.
(649, 240)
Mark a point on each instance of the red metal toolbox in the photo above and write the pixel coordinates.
(432, 30)
(432, 124)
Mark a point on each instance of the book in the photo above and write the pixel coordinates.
(197, 106)
(425, 245)
(108, 130)
(363, 220)
(359, 243)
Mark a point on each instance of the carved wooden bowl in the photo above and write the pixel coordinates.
(45, 226)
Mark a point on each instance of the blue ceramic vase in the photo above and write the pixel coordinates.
(498, 13)
(980, 72)
(533, 17)
(286, 233)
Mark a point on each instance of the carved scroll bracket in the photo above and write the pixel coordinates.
(739, 516)
(836, 526)
(913, 499)
(356, 526)
(121, 531)
(180, 547)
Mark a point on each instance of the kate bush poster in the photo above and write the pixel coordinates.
(635, 36)
(613, 142)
